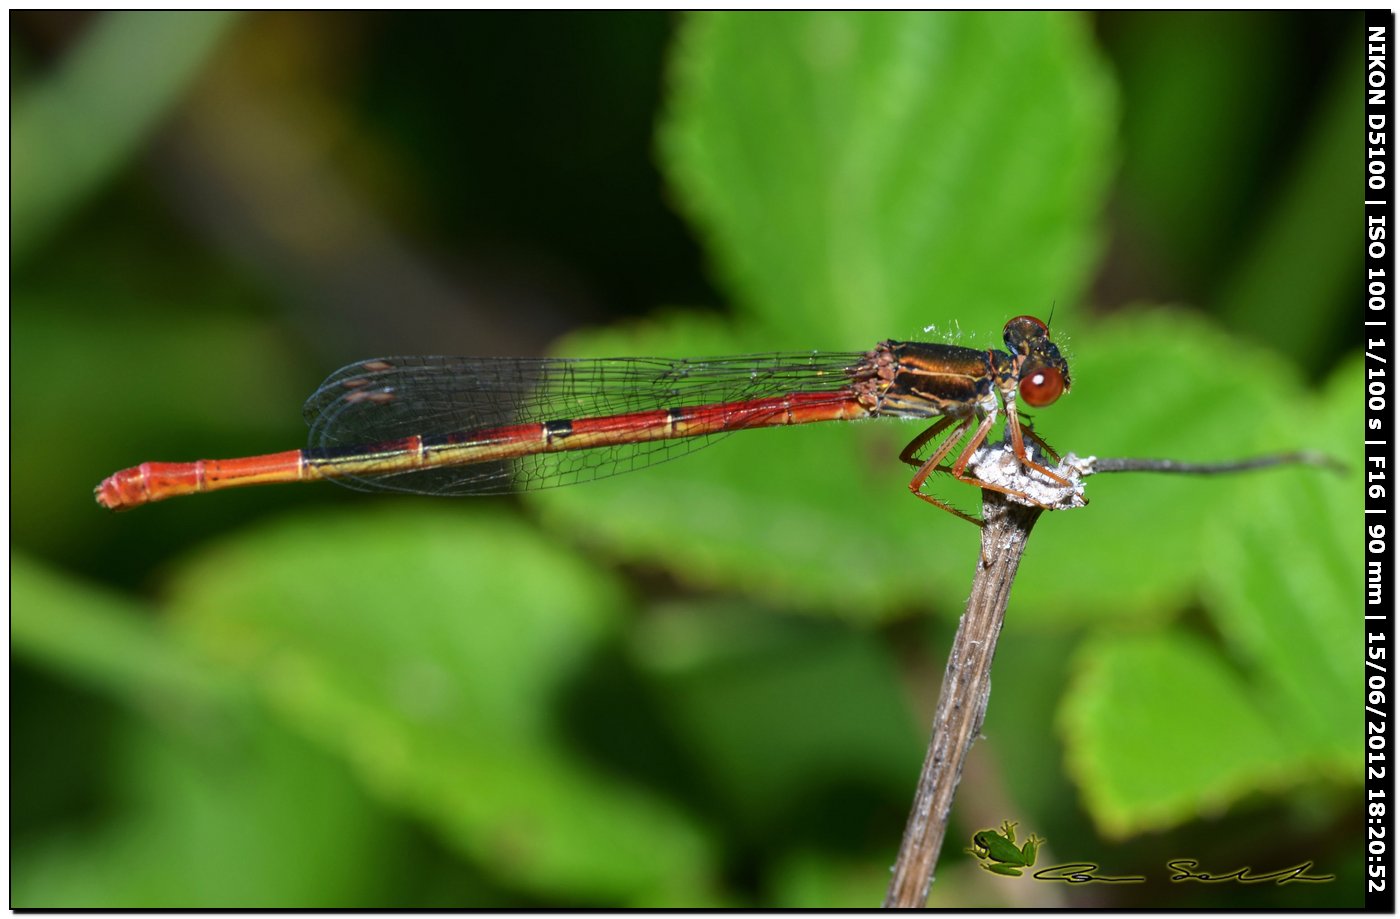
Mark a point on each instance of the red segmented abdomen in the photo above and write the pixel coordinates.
(157, 481)
(151, 482)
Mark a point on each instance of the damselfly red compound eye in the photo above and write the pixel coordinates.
(1041, 387)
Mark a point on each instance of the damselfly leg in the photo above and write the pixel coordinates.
(958, 469)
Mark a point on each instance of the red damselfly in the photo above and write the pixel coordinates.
(477, 426)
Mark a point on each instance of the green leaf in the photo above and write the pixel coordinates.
(860, 175)
(101, 639)
(203, 785)
(1283, 582)
(857, 175)
(1160, 730)
(241, 818)
(72, 131)
(430, 648)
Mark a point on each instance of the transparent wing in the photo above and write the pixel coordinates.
(387, 399)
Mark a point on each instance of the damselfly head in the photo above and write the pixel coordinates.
(1022, 332)
(1044, 373)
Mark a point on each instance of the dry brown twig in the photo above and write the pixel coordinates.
(963, 698)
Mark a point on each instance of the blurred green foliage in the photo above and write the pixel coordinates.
(87, 118)
(706, 684)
